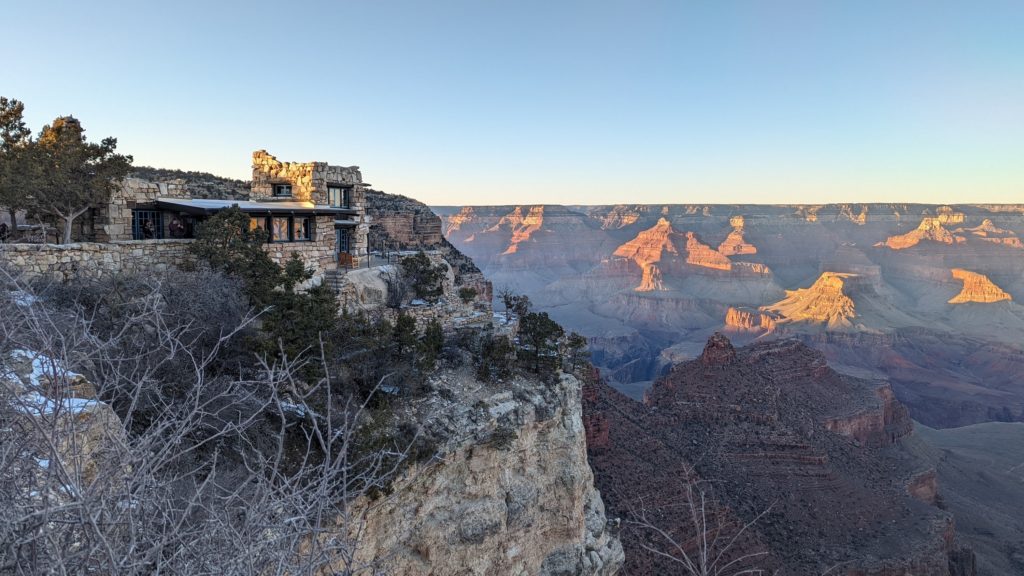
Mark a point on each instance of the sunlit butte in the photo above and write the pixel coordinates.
(464, 102)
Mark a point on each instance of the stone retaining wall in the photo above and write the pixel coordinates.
(92, 259)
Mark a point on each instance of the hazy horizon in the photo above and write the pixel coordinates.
(460, 102)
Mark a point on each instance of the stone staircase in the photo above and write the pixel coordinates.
(335, 279)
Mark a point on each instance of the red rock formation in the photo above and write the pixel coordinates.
(734, 243)
(718, 351)
(989, 232)
(522, 226)
(619, 217)
(825, 302)
(777, 430)
(929, 229)
(455, 221)
(874, 427)
(647, 249)
(700, 254)
(977, 288)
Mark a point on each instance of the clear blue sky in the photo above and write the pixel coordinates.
(485, 102)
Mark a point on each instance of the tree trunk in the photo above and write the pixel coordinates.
(67, 229)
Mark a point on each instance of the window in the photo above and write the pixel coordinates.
(259, 223)
(280, 230)
(282, 189)
(303, 228)
(339, 196)
(147, 224)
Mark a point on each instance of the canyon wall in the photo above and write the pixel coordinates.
(511, 494)
(670, 275)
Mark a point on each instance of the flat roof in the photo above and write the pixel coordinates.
(210, 205)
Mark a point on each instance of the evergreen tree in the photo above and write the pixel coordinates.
(431, 345)
(15, 170)
(540, 335)
(74, 174)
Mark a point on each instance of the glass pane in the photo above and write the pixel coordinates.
(280, 231)
(302, 229)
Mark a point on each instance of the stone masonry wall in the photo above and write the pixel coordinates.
(63, 262)
(114, 221)
(318, 254)
(309, 181)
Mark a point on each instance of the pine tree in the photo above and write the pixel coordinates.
(75, 175)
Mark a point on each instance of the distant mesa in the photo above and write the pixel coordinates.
(977, 288)
(989, 232)
(735, 243)
(931, 228)
(825, 302)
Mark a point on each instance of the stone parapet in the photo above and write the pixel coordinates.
(63, 262)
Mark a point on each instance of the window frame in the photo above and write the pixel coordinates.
(281, 186)
(344, 195)
(152, 215)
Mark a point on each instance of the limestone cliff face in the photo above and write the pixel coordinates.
(401, 223)
(513, 493)
(977, 288)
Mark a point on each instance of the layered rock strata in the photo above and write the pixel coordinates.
(810, 461)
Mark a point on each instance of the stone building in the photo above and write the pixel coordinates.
(310, 208)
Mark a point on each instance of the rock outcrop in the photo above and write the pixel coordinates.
(511, 494)
(700, 254)
(824, 302)
(977, 288)
(647, 250)
(734, 243)
(810, 461)
(522, 226)
(930, 228)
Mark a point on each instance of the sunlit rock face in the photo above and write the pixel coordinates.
(929, 229)
(522, 226)
(989, 232)
(665, 277)
(977, 288)
(700, 254)
(646, 250)
(734, 243)
(825, 302)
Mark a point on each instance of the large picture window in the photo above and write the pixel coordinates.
(303, 229)
(280, 229)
